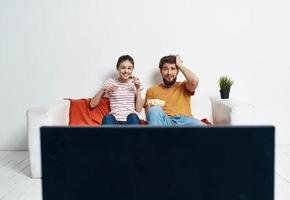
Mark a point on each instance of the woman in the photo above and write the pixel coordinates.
(124, 94)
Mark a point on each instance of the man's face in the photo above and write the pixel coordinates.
(169, 74)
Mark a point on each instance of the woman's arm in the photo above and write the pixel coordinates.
(104, 90)
(138, 98)
(138, 103)
(96, 99)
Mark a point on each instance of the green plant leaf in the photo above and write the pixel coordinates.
(225, 82)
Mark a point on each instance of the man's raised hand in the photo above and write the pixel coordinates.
(178, 61)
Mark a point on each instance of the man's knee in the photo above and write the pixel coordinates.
(155, 111)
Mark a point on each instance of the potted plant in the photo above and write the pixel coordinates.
(225, 83)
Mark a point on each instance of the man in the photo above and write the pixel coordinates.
(174, 95)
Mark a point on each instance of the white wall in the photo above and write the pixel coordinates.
(66, 48)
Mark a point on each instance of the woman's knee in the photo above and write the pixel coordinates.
(108, 119)
(133, 118)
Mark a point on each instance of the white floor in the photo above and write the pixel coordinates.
(16, 184)
(15, 181)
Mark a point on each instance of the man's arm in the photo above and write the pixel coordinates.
(192, 79)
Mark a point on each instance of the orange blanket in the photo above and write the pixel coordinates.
(81, 114)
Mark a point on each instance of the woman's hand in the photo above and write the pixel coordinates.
(110, 88)
(136, 82)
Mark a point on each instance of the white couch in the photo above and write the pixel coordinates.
(217, 111)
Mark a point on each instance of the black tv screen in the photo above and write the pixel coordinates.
(158, 163)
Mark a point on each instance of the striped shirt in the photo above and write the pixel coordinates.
(122, 100)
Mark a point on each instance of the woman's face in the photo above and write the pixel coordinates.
(125, 70)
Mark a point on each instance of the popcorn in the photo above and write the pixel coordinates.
(156, 102)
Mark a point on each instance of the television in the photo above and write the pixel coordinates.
(158, 163)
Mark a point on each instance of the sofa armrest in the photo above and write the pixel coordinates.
(55, 113)
(232, 112)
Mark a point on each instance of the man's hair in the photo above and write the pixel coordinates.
(124, 58)
(171, 59)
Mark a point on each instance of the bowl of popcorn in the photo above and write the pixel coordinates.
(156, 102)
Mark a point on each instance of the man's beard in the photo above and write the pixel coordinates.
(169, 83)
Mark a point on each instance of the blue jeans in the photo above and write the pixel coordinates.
(131, 119)
(157, 117)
